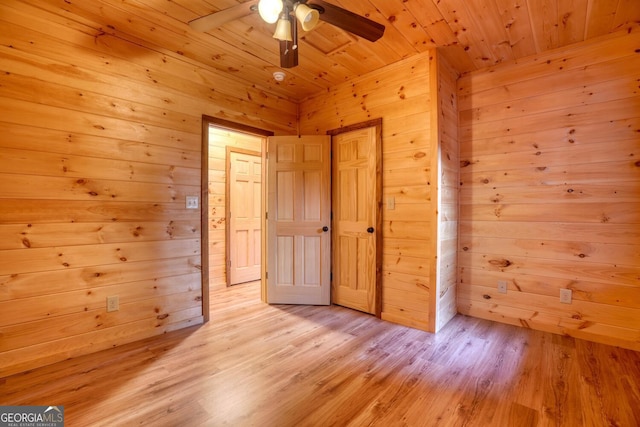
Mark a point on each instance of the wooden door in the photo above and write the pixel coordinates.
(299, 217)
(357, 220)
(245, 214)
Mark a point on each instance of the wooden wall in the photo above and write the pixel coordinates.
(400, 95)
(219, 140)
(550, 191)
(100, 141)
(445, 191)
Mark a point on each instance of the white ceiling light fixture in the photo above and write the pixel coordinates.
(307, 16)
(278, 76)
(283, 28)
(269, 10)
(272, 10)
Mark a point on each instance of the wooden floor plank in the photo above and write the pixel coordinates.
(260, 365)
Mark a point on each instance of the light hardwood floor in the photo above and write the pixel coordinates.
(260, 365)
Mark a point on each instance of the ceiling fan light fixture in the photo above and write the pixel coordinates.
(307, 16)
(269, 10)
(283, 29)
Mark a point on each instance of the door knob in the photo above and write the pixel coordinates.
(370, 230)
(325, 228)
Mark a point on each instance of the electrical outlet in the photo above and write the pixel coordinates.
(502, 286)
(113, 303)
(192, 202)
(565, 296)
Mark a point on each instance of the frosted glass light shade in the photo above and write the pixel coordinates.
(308, 17)
(269, 10)
(283, 30)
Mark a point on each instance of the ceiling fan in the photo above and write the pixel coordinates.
(308, 12)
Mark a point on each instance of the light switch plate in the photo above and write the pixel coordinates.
(565, 296)
(502, 286)
(391, 203)
(113, 303)
(192, 202)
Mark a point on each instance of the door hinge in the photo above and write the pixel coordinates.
(266, 215)
(266, 274)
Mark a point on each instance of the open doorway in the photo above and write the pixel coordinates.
(230, 236)
(221, 141)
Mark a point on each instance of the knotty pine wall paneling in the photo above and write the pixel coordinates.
(99, 145)
(445, 190)
(550, 191)
(400, 95)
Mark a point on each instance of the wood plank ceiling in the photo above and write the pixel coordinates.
(475, 34)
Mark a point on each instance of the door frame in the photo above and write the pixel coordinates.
(377, 124)
(208, 121)
(227, 202)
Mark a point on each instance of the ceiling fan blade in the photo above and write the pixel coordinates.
(349, 21)
(216, 19)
